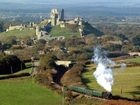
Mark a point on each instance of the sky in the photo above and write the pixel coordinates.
(106, 3)
(68, 1)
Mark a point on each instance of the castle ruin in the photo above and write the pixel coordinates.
(58, 19)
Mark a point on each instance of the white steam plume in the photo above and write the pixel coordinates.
(103, 73)
(123, 66)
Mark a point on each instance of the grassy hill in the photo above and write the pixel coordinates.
(21, 34)
(67, 32)
(73, 30)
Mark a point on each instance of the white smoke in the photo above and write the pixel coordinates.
(103, 73)
(123, 66)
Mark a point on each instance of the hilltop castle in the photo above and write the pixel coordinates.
(55, 17)
(58, 19)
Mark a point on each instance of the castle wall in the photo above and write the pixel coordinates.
(15, 27)
(54, 17)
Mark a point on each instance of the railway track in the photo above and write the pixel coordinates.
(98, 95)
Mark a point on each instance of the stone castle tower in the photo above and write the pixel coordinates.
(62, 15)
(54, 17)
(38, 34)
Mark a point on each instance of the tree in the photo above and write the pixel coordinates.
(42, 41)
(10, 64)
(11, 40)
(136, 40)
(113, 47)
(1, 26)
(47, 61)
(29, 42)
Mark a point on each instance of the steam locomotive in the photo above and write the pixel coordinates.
(89, 92)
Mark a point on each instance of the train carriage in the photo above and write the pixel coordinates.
(82, 90)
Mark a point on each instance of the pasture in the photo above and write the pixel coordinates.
(133, 59)
(126, 82)
(24, 91)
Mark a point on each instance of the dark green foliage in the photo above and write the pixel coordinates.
(29, 42)
(6, 46)
(136, 40)
(42, 41)
(47, 61)
(89, 29)
(74, 42)
(113, 47)
(1, 26)
(136, 48)
(125, 31)
(116, 54)
(122, 36)
(10, 64)
(127, 48)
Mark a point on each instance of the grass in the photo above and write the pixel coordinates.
(23, 91)
(18, 33)
(136, 59)
(127, 80)
(66, 32)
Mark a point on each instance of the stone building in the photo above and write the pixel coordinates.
(40, 33)
(54, 17)
(18, 27)
(62, 15)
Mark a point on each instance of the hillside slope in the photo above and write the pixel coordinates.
(20, 34)
(73, 30)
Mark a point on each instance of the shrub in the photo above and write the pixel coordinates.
(10, 64)
(47, 61)
(73, 77)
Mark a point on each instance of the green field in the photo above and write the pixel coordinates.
(24, 91)
(18, 33)
(137, 59)
(128, 81)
